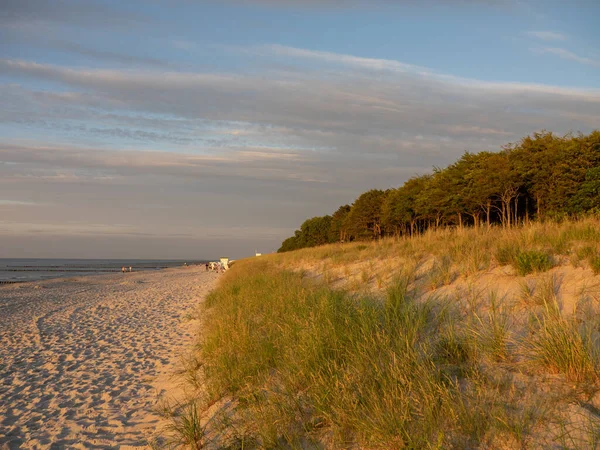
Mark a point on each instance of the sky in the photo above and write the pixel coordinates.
(198, 129)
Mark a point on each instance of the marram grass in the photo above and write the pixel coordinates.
(312, 365)
(391, 363)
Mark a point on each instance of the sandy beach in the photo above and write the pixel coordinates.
(81, 358)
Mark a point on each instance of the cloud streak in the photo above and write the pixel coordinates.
(567, 55)
(23, 13)
(225, 152)
(166, 92)
(547, 35)
(345, 4)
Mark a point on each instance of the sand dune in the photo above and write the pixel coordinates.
(79, 358)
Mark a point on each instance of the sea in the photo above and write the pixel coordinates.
(21, 270)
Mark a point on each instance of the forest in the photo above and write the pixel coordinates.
(543, 176)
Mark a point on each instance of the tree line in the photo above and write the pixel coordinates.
(543, 176)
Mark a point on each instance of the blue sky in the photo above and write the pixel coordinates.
(192, 128)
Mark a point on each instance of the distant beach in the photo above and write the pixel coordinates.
(80, 357)
(31, 269)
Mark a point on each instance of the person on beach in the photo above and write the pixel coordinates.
(206, 267)
(123, 269)
(130, 269)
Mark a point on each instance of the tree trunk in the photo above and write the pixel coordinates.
(488, 212)
(475, 217)
(377, 230)
(460, 221)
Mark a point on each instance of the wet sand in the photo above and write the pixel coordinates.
(80, 358)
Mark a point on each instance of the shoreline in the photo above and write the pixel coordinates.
(13, 271)
(86, 358)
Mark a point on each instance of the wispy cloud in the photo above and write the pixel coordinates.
(369, 4)
(16, 203)
(245, 143)
(568, 55)
(18, 13)
(547, 35)
(337, 58)
(426, 74)
(104, 55)
(311, 109)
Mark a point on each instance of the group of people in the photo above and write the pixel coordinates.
(215, 266)
(124, 269)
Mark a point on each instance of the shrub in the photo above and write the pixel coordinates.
(532, 261)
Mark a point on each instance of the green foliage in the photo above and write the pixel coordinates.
(524, 261)
(399, 210)
(313, 232)
(364, 219)
(338, 231)
(587, 197)
(543, 176)
(532, 261)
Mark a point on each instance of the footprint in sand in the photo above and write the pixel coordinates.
(76, 357)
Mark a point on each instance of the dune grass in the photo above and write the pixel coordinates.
(313, 365)
(562, 347)
(398, 344)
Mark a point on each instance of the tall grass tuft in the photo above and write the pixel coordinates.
(441, 272)
(506, 254)
(186, 428)
(563, 346)
(491, 331)
(548, 289)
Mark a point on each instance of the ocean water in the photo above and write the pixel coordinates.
(15, 270)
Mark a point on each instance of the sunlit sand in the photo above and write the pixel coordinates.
(83, 361)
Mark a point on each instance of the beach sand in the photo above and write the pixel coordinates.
(84, 360)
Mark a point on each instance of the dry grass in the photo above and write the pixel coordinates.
(440, 341)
